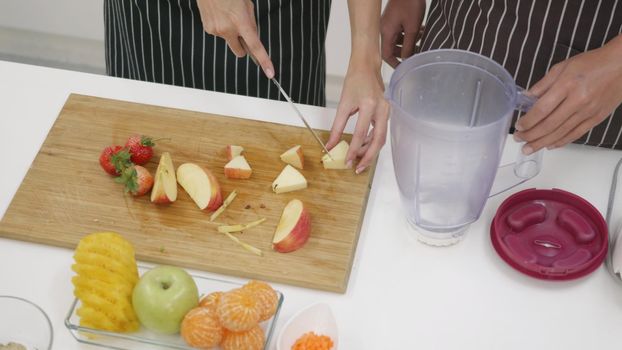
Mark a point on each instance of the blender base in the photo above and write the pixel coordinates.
(438, 238)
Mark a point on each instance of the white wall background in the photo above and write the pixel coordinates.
(69, 34)
(76, 18)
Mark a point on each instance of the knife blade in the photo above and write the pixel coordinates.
(289, 100)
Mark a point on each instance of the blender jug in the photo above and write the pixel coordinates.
(450, 115)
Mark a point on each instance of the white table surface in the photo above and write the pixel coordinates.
(402, 294)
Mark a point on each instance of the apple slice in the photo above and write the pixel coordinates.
(289, 180)
(165, 186)
(238, 168)
(293, 229)
(201, 186)
(294, 157)
(338, 153)
(233, 151)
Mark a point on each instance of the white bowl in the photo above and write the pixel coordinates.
(317, 318)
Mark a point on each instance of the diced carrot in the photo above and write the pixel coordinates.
(312, 341)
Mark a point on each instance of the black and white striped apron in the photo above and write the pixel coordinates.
(163, 41)
(527, 37)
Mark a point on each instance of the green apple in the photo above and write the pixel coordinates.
(162, 297)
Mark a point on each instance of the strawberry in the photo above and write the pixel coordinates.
(141, 148)
(114, 159)
(137, 180)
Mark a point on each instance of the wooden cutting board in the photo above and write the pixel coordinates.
(66, 195)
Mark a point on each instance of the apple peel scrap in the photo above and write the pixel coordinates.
(246, 246)
(224, 205)
(240, 227)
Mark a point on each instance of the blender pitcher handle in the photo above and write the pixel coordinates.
(525, 167)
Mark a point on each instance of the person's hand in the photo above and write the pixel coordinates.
(232, 20)
(363, 92)
(574, 96)
(400, 29)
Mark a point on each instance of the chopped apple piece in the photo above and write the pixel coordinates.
(294, 157)
(293, 229)
(201, 185)
(165, 185)
(289, 180)
(233, 151)
(246, 246)
(238, 168)
(240, 227)
(224, 205)
(338, 155)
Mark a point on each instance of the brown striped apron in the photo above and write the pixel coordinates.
(528, 37)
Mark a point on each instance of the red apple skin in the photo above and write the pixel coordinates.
(229, 153)
(297, 237)
(301, 156)
(216, 198)
(162, 198)
(231, 173)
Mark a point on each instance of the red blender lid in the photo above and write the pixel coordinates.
(550, 234)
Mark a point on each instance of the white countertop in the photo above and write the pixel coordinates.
(402, 294)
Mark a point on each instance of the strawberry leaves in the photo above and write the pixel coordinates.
(129, 178)
(146, 141)
(121, 160)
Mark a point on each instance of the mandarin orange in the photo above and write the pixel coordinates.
(200, 328)
(211, 301)
(252, 339)
(239, 310)
(268, 299)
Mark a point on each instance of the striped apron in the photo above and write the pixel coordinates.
(527, 37)
(163, 41)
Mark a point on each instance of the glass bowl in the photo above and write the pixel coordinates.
(145, 339)
(24, 322)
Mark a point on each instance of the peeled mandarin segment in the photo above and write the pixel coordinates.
(252, 339)
(200, 328)
(211, 301)
(239, 310)
(268, 298)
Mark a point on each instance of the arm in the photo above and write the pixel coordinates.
(363, 89)
(232, 20)
(574, 96)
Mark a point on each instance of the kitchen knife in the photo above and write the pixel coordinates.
(291, 103)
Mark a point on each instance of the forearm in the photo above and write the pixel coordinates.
(365, 32)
